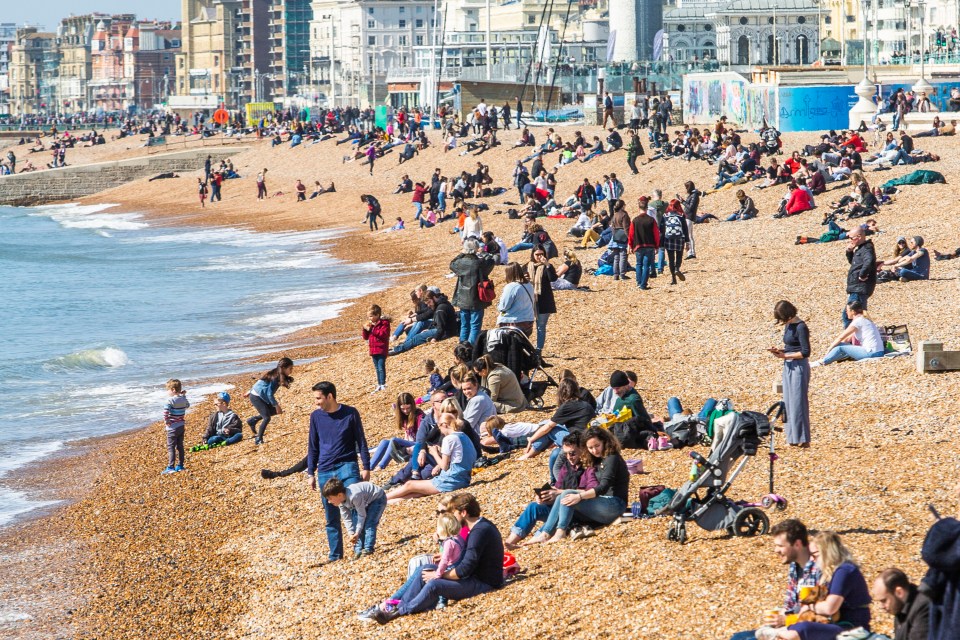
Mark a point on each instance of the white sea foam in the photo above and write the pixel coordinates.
(74, 216)
(236, 237)
(26, 453)
(107, 357)
(12, 504)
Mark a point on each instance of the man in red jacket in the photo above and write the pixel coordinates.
(643, 238)
(419, 191)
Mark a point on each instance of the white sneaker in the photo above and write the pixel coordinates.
(816, 363)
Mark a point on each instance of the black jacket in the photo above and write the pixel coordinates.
(446, 320)
(691, 204)
(862, 276)
(470, 270)
(941, 552)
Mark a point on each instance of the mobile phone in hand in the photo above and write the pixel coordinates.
(933, 510)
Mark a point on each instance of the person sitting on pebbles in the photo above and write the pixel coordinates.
(224, 425)
(603, 504)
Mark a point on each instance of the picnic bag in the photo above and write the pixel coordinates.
(896, 338)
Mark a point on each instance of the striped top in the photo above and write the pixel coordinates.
(174, 412)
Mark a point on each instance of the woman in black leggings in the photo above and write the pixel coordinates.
(262, 397)
(674, 237)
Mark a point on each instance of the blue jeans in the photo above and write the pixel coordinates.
(542, 319)
(744, 635)
(674, 408)
(382, 454)
(555, 436)
(644, 265)
(442, 201)
(422, 596)
(661, 258)
(911, 274)
(852, 297)
(844, 351)
(520, 246)
(414, 464)
(349, 473)
(235, 438)
(411, 329)
(414, 578)
(380, 364)
(532, 514)
(470, 322)
(415, 340)
(602, 510)
(368, 535)
(418, 207)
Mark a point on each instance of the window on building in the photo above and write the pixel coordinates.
(707, 27)
(372, 41)
(419, 41)
(827, 20)
(419, 23)
(681, 27)
(371, 24)
(403, 41)
(403, 24)
(216, 61)
(403, 61)
(531, 19)
(802, 20)
(403, 10)
(744, 20)
(370, 10)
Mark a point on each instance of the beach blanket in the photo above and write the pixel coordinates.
(920, 176)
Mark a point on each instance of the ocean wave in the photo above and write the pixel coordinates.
(107, 357)
(237, 237)
(74, 216)
(267, 261)
(26, 453)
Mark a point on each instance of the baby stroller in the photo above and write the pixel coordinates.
(714, 511)
(510, 347)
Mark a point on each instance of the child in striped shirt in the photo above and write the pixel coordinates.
(173, 418)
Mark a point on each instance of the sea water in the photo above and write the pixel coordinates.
(103, 308)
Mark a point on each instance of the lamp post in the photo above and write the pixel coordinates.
(923, 86)
(864, 108)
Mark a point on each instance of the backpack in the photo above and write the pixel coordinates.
(672, 228)
(628, 434)
(660, 501)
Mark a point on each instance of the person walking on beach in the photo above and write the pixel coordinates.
(796, 373)
(336, 439)
(263, 397)
(202, 191)
(262, 185)
(207, 166)
(376, 331)
(371, 154)
(173, 418)
(373, 211)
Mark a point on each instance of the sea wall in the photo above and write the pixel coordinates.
(67, 183)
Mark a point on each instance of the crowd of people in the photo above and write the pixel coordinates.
(464, 421)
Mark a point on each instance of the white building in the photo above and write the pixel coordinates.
(8, 37)
(357, 42)
(743, 32)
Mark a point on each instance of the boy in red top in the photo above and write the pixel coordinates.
(376, 331)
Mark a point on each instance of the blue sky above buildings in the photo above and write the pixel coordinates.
(47, 13)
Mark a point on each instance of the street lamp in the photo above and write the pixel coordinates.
(923, 86)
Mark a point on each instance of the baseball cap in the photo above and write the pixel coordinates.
(223, 395)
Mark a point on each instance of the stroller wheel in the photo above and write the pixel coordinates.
(677, 533)
(751, 522)
(536, 403)
(782, 505)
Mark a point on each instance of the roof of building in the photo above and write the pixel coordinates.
(768, 5)
(685, 12)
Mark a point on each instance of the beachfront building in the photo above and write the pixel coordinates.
(75, 38)
(110, 88)
(30, 70)
(289, 36)
(149, 59)
(210, 35)
(252, 68)
(8, 37)
(355, 43)
(743, 32)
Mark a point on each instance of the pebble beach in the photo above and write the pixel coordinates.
(218, 552)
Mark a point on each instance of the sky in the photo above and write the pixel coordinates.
(47, 13)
